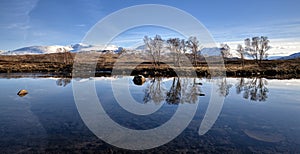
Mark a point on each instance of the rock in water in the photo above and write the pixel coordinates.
(139, 80)
(264, 136)
(22, 92)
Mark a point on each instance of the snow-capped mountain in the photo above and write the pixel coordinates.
(210, 51)
(38, 50)
(292, 56)
(84, 47)
(141, 47)
(58, 49)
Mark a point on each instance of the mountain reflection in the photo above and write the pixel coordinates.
(254, 89)
(182, 90)
(62, 82)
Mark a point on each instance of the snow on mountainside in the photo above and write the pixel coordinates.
(85, 47)
(58, 49)
(292, 56)
(210, 51)
(141, 47)
(38, 50)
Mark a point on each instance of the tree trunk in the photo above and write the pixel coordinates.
(195, 59)
(243, 61)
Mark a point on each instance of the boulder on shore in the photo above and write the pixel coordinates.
(139, 80)
(22, 92)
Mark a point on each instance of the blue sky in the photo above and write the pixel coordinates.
(64, 22)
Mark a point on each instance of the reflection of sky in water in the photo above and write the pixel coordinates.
(47, 120)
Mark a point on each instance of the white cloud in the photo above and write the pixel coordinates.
(80, 25)
(20, 26)
(16, 14)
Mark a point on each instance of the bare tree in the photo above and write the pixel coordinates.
(264, 47)
(241, 52)
(154, 46)
(194, 45)
(251, 47)
(175, 45)
(257, 47)
(183, 45)
(225, 50)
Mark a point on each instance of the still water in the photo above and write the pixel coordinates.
(258, 115)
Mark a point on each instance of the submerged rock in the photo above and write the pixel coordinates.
(139, 80)
(22, 92)
(201, 94)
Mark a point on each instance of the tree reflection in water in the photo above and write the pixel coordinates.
(182, 90)
(224, 87)
(154, 91)
(174, 94)
(254, 89)
(191, 90)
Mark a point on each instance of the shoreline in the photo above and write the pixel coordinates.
(62, 65)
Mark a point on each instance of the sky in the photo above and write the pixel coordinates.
(65, 22)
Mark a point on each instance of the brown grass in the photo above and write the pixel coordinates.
(62, 63)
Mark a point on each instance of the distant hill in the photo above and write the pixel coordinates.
(292, 56)
(274, 57)
(80, 47)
